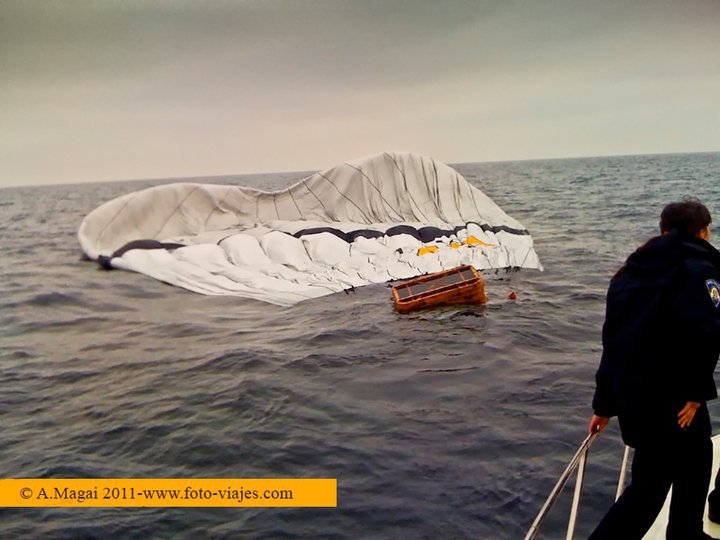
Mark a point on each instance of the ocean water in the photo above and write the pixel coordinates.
(450, 423)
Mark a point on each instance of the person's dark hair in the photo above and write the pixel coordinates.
(688, 217)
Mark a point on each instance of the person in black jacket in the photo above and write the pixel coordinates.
(661, 341)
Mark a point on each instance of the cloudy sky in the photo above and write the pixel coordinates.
(110, 90)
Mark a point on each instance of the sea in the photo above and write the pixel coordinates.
(450, 423)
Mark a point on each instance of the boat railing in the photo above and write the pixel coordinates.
(578, 462)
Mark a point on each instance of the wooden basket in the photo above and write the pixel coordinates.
(461, 285)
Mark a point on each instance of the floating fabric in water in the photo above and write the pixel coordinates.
(361, 222)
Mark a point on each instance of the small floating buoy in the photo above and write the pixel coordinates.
(512, 296)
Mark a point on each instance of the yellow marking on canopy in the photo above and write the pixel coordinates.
(472, 241)
(427, 249)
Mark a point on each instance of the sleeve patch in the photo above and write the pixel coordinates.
(714, 289)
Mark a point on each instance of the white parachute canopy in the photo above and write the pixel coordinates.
(386, 217)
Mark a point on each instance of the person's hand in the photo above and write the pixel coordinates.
(687, 413)
(597, 423)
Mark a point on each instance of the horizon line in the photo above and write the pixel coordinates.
(311, 171)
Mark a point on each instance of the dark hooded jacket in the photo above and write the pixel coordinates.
(661, 337)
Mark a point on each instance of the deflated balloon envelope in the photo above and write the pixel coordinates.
(372, 220)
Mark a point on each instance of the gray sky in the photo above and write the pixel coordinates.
(110, 90)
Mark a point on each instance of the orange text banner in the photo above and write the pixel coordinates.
(158, 492)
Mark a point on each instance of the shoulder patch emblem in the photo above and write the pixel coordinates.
(714, 290)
